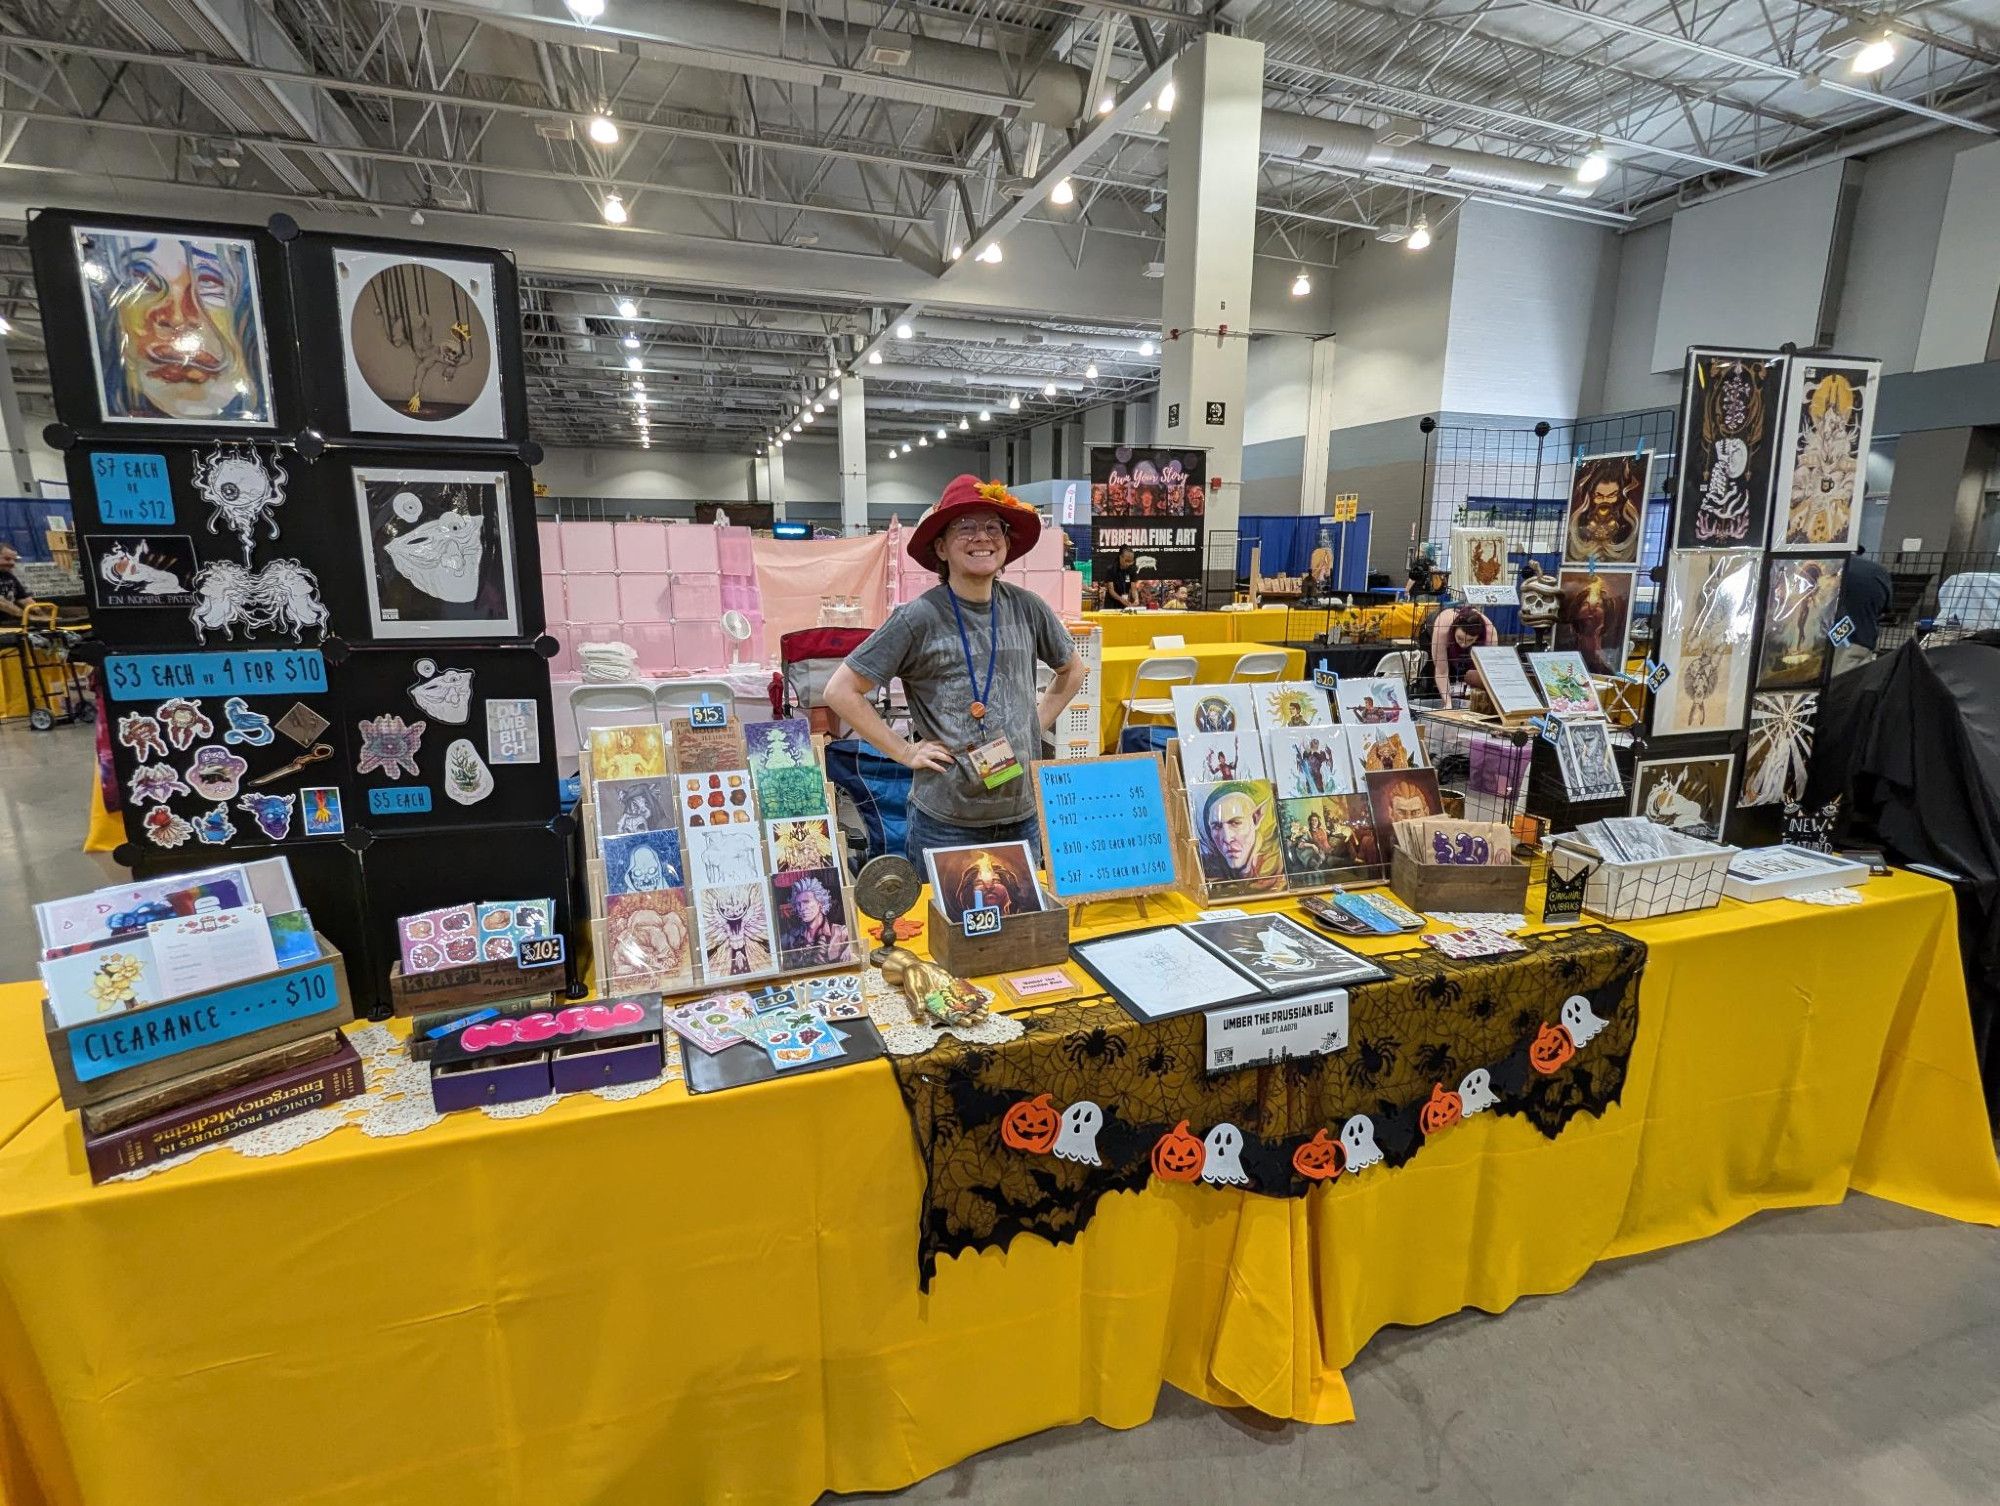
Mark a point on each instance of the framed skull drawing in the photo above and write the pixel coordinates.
(439, 551)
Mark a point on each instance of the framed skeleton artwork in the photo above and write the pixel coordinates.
(1731, 415)
(1706, 621)
(1607, 509)
(438, 547)
(1823, 454)
(418, 345)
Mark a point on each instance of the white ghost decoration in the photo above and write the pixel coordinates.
(1475, 1092)
(1223, 1163)
(1357, 1137)
(1577, 1019)
(1077, 1140)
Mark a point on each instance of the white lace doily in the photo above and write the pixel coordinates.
(1480, 920)
(1840, 895)
(396, 1101)
(903, 1036)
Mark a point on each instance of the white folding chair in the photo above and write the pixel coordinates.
(1159, 676)
(1259, 664)
(627, 704)
(1404, 663)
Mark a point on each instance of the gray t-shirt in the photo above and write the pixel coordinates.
(919, 645)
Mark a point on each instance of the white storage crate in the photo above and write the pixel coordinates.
(1639, 891)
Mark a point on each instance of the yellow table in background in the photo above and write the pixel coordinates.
(1213, 664)
(1139, 629)
(677, 1299)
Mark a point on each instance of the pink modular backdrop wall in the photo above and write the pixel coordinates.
(663, 587)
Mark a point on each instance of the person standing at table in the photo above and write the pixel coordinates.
(1865, 593)
(1120, 582)
(966, 652)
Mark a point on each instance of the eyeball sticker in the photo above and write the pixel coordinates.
(241, 489)
(442, 693)
(390, 744)
(406, 506)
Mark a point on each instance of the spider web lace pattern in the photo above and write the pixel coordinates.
(1433, 1020)
(395, 1101)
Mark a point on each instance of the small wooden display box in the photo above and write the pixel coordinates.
(116, 1054)
(1485, 887)
(1034, 938)
(472, 983)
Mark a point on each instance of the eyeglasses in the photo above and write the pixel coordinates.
(977, 528)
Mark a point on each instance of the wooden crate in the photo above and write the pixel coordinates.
(469, 985)
(1492, 887)
(1036, 938)
(161, 1042)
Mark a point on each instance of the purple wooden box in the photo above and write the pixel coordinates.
(475, 1084)
(604, 1064)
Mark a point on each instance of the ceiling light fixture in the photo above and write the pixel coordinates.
(1106, 105)
(1302, 285)
(874, 358)
(1145, 347)
(1048, 389)
(819, 407)
(614, 210)
(633, 363)
(923, 443)
(903, 331)
(1062, 193)
(964, 424)
(1167, 97)
(603, 129)
(805, 418)
(986, 415)
(630, 342)
(1090, 372)
(627, 309)
(906, 447)
(1419, 237)
(1014, 402)
(892, 452)
(585, 11)
(940, 433)
(832, 394)
(991, 255)
(1595, 165)
(957, 250)
(1876, 56)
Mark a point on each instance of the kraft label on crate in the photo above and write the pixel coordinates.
(152, 677)
(132, 488)
(399, 800)
(163, 1030)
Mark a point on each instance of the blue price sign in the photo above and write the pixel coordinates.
(101, 1048)
(399, 800)
(152, 677)
(1104, 826)
(539, 951)
(1326, 679)
(709, 715)
(983, 921)
(132, 489)
(1842, 632)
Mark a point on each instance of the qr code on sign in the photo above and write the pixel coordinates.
(1224, 1055)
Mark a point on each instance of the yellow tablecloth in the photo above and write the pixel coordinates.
(714, 1299)
(1138, 629)
(1214, 662)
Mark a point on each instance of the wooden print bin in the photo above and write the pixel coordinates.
(1035, 938)
(105, 1058)
(1486, 887)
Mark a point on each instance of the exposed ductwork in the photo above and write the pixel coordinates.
(1334, 143)
(763, 42)
(1026, 336)
(244, 31)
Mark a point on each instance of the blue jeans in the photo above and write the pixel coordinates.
(926, 832)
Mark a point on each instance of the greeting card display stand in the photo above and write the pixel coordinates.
(1206, 892)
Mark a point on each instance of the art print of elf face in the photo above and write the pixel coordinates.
(1233, 823)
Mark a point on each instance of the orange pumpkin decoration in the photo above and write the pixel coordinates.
(1031, 1124)
(1319, 1159)
(1551, 1048)
(1442, 1112)
(1178, 1155)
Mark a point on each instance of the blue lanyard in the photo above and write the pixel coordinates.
(980, 692)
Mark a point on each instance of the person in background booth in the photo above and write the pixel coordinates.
(14, 597)
(1120, 584)
(966, 652)
(1455, 633)
(1866, 590)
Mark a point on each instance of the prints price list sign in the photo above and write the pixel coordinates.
(306, 528)
(1104, 827)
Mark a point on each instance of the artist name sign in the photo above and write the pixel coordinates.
(1251, 1035)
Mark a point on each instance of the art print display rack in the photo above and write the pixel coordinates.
(299, 465)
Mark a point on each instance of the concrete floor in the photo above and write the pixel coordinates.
(1828, 1356)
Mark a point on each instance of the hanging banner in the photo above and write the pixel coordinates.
(1151, 501)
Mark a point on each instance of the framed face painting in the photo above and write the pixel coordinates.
(1823, 454)
(1595, 618)
(1607, 509)
(176, 325)
(418, 345)
(1801, 605)
(1731, 413)
(1705, 626)
(438, 553)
